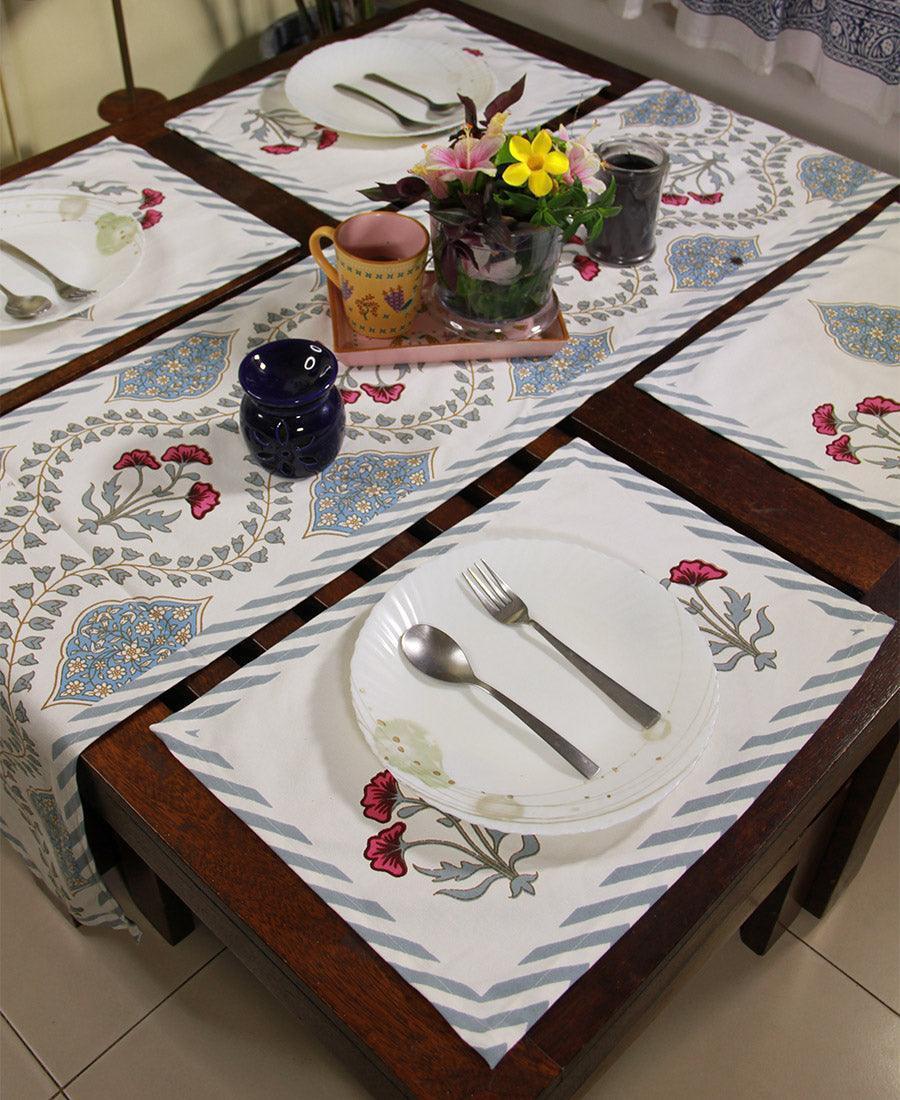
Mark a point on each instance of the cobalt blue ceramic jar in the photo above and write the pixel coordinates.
(292, 415)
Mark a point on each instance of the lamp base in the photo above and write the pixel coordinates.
(121, 105)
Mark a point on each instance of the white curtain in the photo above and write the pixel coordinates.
(852, 49)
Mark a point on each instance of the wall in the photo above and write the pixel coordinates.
(788, 98)
(58, 58)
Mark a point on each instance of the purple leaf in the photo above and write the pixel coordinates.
(506, 99)
(471, 113)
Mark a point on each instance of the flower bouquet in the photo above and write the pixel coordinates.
(501, 206)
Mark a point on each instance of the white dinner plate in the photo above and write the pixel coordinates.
(426, 66)
(465, 754)
(83, 240)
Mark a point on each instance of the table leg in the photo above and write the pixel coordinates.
(158, 904)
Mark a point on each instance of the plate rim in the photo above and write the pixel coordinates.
(704, 719)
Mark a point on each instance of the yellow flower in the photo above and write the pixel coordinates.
(495, 126)
(536, 161)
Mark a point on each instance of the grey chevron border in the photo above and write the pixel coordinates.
(263, 241)
(667, 383)
(630, 889)
(576, 87)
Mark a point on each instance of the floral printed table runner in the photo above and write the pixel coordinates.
(135, 516)
(423, 887)
(195, 241)
(807, 376)
(257, 128)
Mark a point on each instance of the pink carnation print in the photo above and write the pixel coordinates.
(349, 397)
(841, 451)
(575, 239)
(473, 52)
(150, 198)
(824, 420)
(379, 796)
(385, 850)
(587, 268)
(136, 458)
(280, 150)
(384, 395)
(188, 452)
(326, 138)
(671, 199)
(695, 572)
(707, 200)
(877, 406)
(151, 218)
(202, 498)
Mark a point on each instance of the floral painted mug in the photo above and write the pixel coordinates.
(380, 266)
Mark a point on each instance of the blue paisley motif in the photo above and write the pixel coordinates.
(113, 643)
(864, 330)
(698, 263)
(537, 377)
(675, 108)
(190, 368)
(833, 177)
(357, 488)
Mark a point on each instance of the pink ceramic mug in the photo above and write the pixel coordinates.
(380, 264)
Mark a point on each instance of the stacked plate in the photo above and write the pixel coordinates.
(421, 65)
(462, 752)
(86, 241)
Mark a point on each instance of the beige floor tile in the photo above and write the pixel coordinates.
(21, 1075)
(221, 1037)
(751, 1028)
(71, 992)
(859, 933)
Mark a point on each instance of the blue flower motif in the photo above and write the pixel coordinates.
(830, 176)
(537, 377)
(864, 330)
(357, 488)
(190, 368)
(54, 828)
(113, 643)
(703, 261)
(674, 108)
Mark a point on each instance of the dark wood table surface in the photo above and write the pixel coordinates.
(182, 852)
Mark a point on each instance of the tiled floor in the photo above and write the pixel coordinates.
(89, 1015)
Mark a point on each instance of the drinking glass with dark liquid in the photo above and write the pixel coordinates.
(639, 168)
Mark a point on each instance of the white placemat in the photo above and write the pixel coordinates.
(806, 377)
(257, 128)
(429, 892)
(195, 241)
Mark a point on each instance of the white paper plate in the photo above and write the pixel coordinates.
(429, 67)
(463, 752)
(60, 229)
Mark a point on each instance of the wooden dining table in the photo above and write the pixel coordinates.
(183, 854)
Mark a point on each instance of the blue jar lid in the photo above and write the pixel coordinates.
(288, 373)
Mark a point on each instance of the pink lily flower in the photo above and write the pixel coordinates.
(462, 161)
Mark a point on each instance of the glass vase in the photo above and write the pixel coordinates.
(496, 283)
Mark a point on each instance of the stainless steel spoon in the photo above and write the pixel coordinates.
(411, 123)
(63, 289)
(438, 108)
(25, 307)
(436, 654)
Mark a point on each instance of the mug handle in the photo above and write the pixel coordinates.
(315, 249)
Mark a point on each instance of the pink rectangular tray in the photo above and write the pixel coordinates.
(429, 342)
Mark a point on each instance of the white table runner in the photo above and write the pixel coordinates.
(788, 648)
(195, 241)
(416, 435)
(806, 377)
(257, 128)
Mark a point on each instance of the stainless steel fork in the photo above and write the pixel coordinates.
(499, 600)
